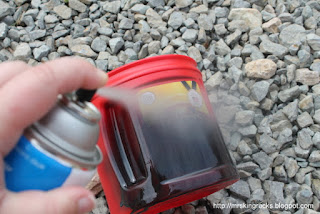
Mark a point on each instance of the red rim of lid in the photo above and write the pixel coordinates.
(150, 65)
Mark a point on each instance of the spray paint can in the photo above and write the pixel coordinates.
(58, 150)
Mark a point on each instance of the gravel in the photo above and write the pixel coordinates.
(259, 61)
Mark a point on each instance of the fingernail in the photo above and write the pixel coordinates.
(86, 204)
(103, 76)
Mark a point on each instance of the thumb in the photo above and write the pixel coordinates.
(68, 200)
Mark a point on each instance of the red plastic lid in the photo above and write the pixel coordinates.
(151, 65)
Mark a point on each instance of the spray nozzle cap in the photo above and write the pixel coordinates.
(85, 95)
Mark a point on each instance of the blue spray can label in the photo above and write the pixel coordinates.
(58, 150)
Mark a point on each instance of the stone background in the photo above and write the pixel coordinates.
(259, 60)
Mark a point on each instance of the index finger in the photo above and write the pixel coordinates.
(29, 96)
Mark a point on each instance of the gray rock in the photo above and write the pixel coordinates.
(261, 68)
(293, 49)
(5, 10)
(244, 118)
(305, 58)
(102, 64)
(220, 29)
(291, 166)
(3, 30)
(279, 160)
(291, 60)
(14, 34)
(156, 3)
(221, 12)
(175, 20)
(315, 66)
(291, 110)
(22, 52)
(140, 8)
(105, 31)
(280, 173)
(314, 41)
(189, 23)
(262, 159)
(112, 7)
(289, 94)
(233, 38)
(205, 22)
(101, 206)
(316, 116)
(292, 34)
(116, 44)
(84, 51)
(243, 148)
(304, 120)
(50, 19)
(274, 191)
(248, 131)
(316, 139)
(190, 35)
(77, 5)
(241, 4)
(257, 196)
(260, 90)
(285, 17)
(316, 187)
(238, 25)
(183, 3)
(301, 153)
(285, 136)
(35, 3)
(304, 195)
(126, 24)
(266, 16)
(272, 25)
(314, 156)
(199, 9)
(195, 54)
(306, 104)
(63, 11)
(254, 183)
(241, 189)
(254, 35)
(268, 144)
(60, 33)
(154, 47)
(252, 17)
(37, 34)
(41, 52)
(168, 50)
(64, 51)
(98, 45)
(221, 48)
(310, 23)
(304, 139)
(264, 174)
(154, 19)
(248, 167)
(268, 47)
(214, 80)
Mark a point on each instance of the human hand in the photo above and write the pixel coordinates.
(27, 94)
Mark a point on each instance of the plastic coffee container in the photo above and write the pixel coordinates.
(167, 149)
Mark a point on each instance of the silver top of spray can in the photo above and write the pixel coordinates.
(71, 130)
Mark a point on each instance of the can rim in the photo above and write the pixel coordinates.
(54, 148)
